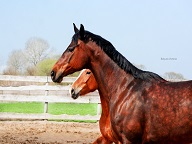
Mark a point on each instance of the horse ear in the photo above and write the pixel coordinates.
(75, 28)
(82, 31)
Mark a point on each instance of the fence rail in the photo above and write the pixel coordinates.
(43, 93)
(33, 78)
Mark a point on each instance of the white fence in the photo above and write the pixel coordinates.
(43, 93)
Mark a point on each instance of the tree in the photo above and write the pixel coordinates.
(15, 63)
(44, 67)
(36, 50)
(140, 66)
(9, 71)
(2, 67)
(30, 70)
(173, 76)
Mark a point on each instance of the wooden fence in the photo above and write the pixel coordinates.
(47, 93)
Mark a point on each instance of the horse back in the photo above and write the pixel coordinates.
(147, 112)
(168, 112)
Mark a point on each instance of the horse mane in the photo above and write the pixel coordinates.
(117, 57)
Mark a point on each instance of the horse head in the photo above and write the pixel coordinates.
(74, 58)
(84, 84)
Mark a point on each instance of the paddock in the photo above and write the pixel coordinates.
(47, 132)
(36, 128)
(27, 128)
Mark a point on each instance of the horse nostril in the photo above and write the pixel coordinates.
(72, 91)
(52, 74)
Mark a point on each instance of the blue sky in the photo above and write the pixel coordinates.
(155, 33)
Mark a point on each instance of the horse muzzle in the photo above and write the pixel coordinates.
(56, 77)
(74, 94)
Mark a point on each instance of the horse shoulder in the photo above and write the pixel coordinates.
(127, 113)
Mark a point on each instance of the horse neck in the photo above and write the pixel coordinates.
(109, 75)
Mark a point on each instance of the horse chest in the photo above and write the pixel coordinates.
(126, 117)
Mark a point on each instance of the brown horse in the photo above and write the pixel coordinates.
(84, 84)
(143, 107)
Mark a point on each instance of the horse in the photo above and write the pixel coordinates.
(84, 84)
(143, 107)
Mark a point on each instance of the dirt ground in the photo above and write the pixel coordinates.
(46, 132)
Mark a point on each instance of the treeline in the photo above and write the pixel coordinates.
(37, 59)
(167, 75)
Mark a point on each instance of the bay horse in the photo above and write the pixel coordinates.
(84, 84)
(143, 107)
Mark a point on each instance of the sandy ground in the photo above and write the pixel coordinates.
(46, 132)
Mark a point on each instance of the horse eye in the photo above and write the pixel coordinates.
(88, 72)
(71, 48)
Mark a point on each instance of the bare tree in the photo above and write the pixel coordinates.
(30, 70)
(1, 66)
(36, 49)
(173, 76)
(140, 66)
(15, 63)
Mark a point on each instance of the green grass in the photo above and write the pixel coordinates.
(19, 107)
(72, 109)
(53, 108)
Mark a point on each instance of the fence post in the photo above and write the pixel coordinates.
(46, 94)
(99, 109)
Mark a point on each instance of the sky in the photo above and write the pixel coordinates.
(154, 33)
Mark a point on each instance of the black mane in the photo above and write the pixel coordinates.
(117, 57)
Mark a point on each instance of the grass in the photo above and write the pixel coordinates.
(19, 107)
(72, 109)
(53, 108)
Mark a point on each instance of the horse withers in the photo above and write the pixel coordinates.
(142, 106)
